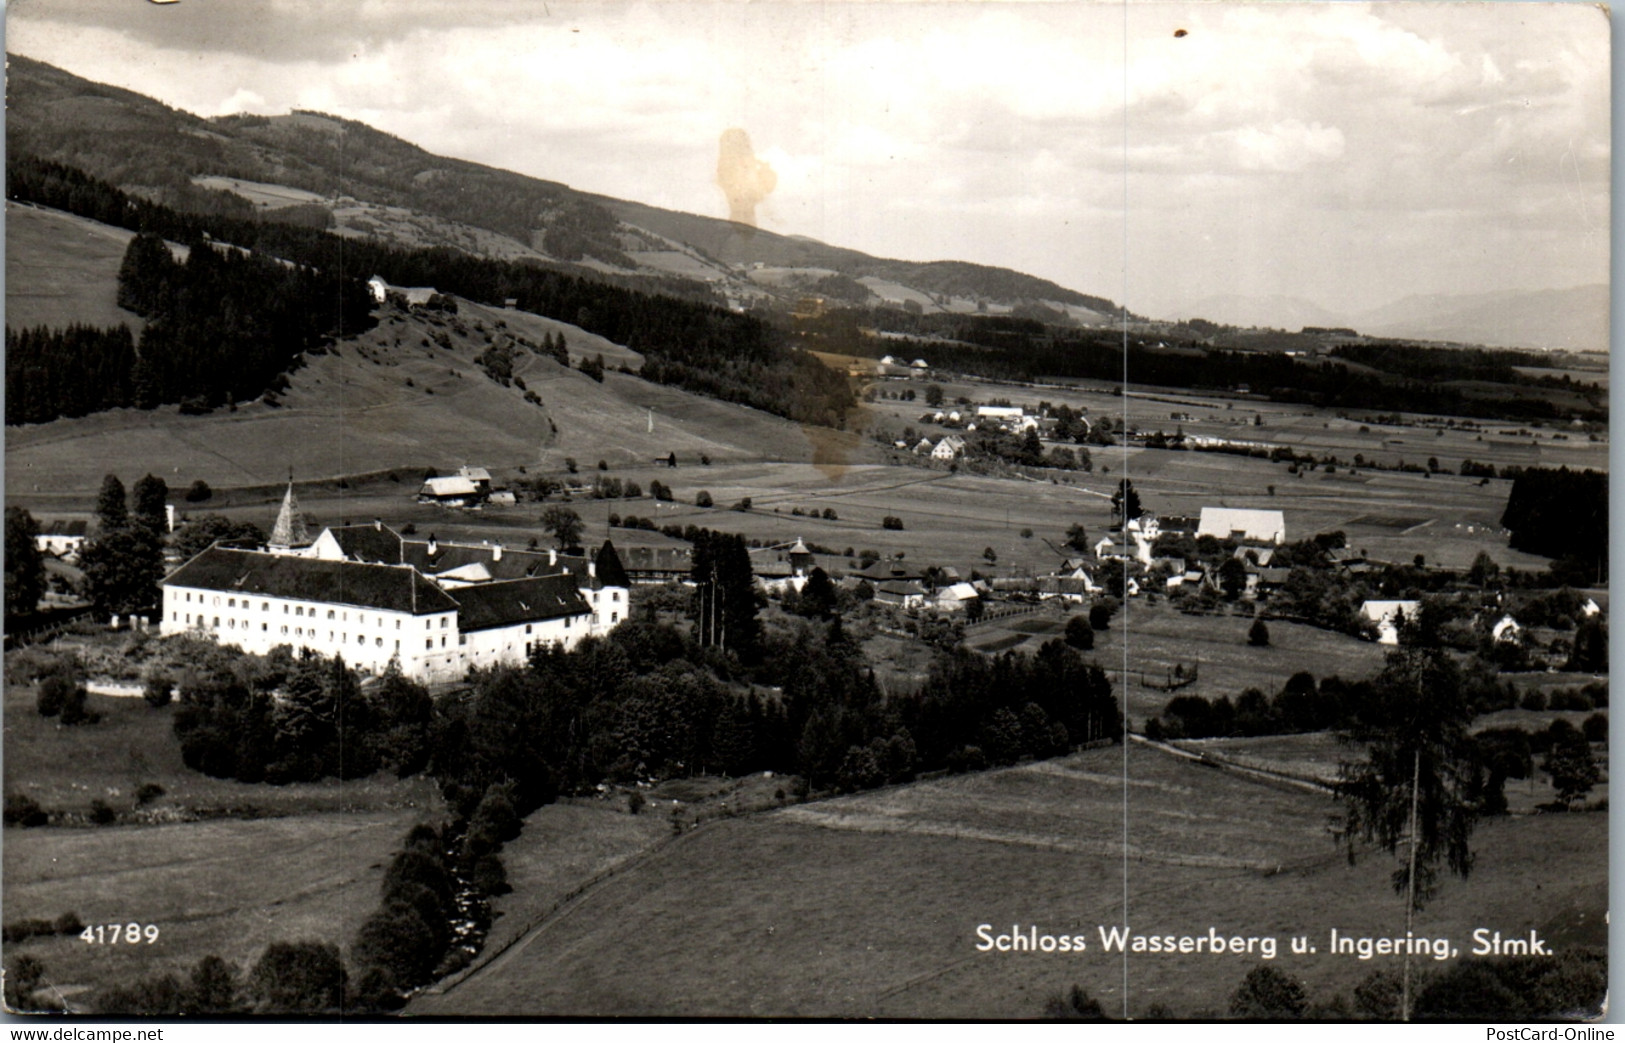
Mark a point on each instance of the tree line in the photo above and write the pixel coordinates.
(1560, 514)
(1023, 349)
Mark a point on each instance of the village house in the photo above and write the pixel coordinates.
(404, 296)
(788, 571)
(1243, 526)
(956, 597)
(1388, 616)
(469, 487)
(62, 538)
(904, 594)
(657, 564)
(950, 448)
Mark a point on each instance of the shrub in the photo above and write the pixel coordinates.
(1596, 728)
(1079, 633)
(966, 758)
(1100, 615)
(102, 814)
(397, 941)
(198, 492)
(148, 792)
(298, 977)
(1075, 1005)
(73, 708)
(1258, 635)
(635, 802)
(23, 810)
(490, 877)
(1268, 994)
(53, 695)
(158, 690)
(703, 499)
(891, 521)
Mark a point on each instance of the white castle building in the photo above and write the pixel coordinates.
(372, 596)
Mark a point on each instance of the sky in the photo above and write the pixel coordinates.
(1158, 154)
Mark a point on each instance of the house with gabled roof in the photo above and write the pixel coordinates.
(62, 537)
(902, 593)
(451, 491)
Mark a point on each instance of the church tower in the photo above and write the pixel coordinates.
(289, 532)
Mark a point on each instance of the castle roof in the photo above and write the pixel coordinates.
(488, 605)
(388, 588)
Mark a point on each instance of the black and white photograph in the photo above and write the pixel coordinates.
(806, 510)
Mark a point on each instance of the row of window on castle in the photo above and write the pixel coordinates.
(302, 610)
(232, 624)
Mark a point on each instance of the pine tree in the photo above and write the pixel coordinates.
(150, 495)
(25, 569)
(112, 511)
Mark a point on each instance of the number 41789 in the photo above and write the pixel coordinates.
(116, 933)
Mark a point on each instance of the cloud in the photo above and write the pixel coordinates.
(1000, 132)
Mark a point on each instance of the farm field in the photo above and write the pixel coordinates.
(867, 906)
(1152, 638)
(227, 886)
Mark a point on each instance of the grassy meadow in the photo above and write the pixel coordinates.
(867, 906)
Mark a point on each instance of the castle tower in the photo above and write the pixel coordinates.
(289, 531)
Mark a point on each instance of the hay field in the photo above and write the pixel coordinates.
(867, 906)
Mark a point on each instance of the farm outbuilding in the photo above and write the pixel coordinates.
(451, 491)
(1244, 526)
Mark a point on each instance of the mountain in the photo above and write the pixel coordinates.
(1574, 319)
(315, 169)
(1554, 320)
(1276, 311)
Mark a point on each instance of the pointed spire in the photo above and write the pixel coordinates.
(289, 530)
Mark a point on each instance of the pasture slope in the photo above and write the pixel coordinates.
(62, 270)
(395, 398)
(868, 906)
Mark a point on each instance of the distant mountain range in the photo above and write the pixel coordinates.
(1558, 320)
(316, 169)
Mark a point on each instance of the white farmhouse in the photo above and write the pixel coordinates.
(62, 538)
(1388, 615)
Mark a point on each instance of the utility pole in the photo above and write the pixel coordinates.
(1410, 889)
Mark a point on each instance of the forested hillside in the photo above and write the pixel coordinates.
(688, 344)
